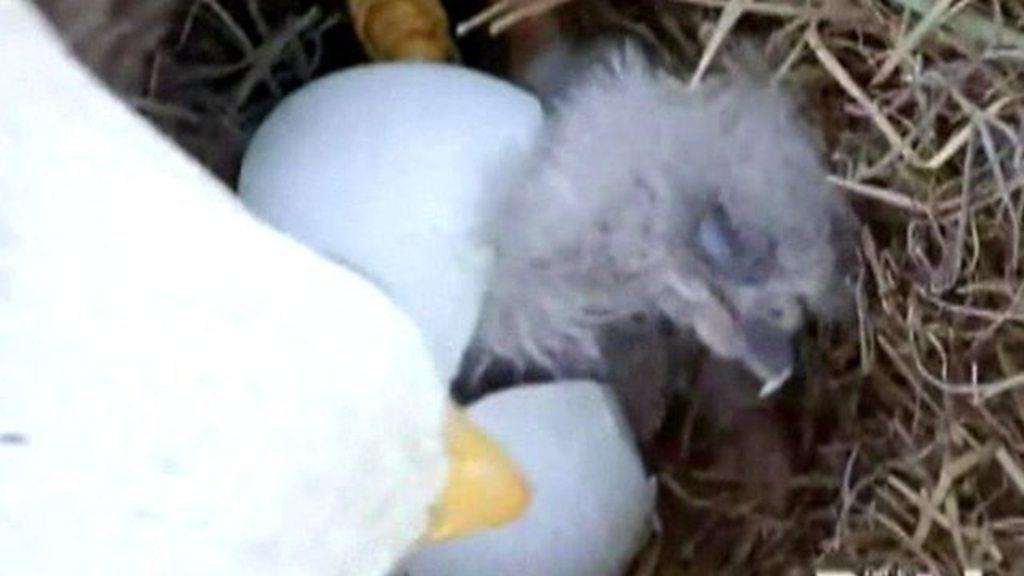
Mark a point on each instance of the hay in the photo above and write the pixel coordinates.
(909, 434)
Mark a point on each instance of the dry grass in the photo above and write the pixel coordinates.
(911, 428)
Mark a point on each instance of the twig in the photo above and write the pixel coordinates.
(932, 18)
(726, 20)
(972, 25)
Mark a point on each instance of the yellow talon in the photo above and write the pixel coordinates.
(402, 29)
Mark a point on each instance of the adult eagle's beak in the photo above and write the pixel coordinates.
(483, 490)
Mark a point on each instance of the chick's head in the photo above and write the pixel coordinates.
(709, 205)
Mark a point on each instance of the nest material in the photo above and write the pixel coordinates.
(909, 436)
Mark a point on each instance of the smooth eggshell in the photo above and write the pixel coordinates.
(392, 169)
(592, 501)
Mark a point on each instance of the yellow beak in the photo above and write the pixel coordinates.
(484, 489)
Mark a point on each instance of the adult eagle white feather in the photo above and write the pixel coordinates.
(184, 390)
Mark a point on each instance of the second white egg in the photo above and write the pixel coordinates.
(592, 502)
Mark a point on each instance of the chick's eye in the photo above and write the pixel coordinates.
(717, 239)
(742, 257)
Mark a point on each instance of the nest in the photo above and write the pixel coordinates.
(908, 437)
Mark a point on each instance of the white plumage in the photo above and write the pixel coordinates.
(183, 390)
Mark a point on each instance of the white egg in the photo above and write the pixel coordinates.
(592, 501)
(392, 169)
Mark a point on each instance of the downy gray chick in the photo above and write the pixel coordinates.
(708, 207)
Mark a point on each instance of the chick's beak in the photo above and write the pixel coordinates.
(769, 354)
(483, 490)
